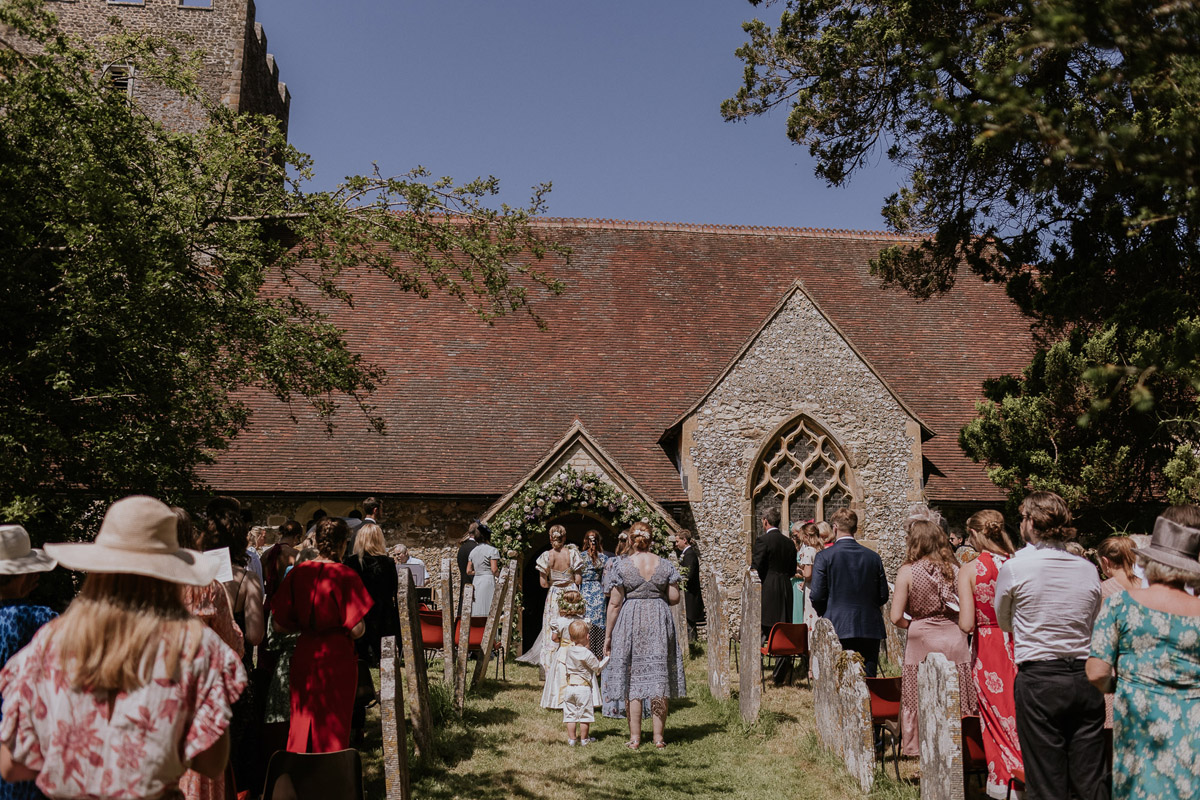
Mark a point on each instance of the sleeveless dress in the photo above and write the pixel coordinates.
(994, 671)
(559, 581)
(594, 598)
(933, 606)
(483, 581)
(647, 661)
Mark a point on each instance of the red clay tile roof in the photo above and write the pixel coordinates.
(653, 312)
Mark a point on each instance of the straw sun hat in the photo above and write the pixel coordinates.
(17, 557)
(1174, 545)
(138, 537)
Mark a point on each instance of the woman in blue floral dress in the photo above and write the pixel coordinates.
(1151, 638)
(593, 592)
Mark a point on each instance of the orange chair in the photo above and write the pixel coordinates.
(431, 634)
(974, 758)
(475, 641)
(885, 715)
(1016, 783)
(785, 639)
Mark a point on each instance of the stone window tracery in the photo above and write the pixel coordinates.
(803, 473)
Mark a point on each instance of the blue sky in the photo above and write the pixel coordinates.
(615, 102)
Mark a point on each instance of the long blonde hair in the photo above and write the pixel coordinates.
(369, 541)
(927, 540)
(117, 629)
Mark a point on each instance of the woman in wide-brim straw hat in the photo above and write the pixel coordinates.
(20, 568)
(1147, 642)
(143, 688)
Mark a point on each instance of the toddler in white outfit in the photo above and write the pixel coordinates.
(581, 667)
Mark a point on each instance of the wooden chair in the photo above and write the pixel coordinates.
(475, 641)
(974, 757)
(885, 716)
(314, 776)
(786, 639)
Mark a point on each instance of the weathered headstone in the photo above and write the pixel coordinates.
(493, 620)
(509, 612)
(416, 671)
(750, 671)
(679, 614)
(391, 711)
(894, 644)
(842, 704)
(939, 724)
(447, 624)
(464, 639)
(718, 634)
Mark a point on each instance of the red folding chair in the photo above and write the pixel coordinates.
(431, 634)
(475, 641)
(885, 716)
(785, 639)
(1016, 783)
(974, 758)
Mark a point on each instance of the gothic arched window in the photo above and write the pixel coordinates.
(803, 473)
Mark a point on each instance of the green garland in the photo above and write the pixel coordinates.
(528, 513)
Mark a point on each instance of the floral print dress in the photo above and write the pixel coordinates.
(594, 599)
(19, 621)
(1156, 725)
(994, 670)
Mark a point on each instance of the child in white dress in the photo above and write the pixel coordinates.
(580, 693)
(571, 608)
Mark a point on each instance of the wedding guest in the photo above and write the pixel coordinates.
(1117, 556)
(926, 603)
(646, 663)
(995, 666)
(1049, 599)
(126, 669)
(774, 559)
(591, 586)
(808, 543)
(468, 544)
(483, 566)
(571, 608)
(407, 561)
(848, 587)
(281, 556)
(826, 533)
(693, 599)
(211, 605)
(579, 695)
(1150, 638)
(20, 567)
(326, 603)
(378, 573)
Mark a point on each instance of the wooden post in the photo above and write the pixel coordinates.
(718, 635)
(464, 639)
(391, 711)
(489, 631)
(510, 610)
(750, 674)
(447, 625)
(416, 670)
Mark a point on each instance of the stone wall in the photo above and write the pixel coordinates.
(798, 364)
(237, 71)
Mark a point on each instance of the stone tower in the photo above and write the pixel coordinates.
(238, 71)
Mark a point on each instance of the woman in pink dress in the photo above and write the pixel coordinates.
(995, 667)
(125, 691)
(926, 602)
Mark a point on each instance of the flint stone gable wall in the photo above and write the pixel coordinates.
(798, 364)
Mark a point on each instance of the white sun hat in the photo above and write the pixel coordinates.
(17, 557)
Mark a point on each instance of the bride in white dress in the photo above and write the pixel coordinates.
(559, 568)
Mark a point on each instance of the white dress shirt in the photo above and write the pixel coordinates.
(1049, 600)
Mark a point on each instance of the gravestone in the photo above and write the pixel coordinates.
(896, 638)
(679, 614)
(447, 624)
(391, 712)
(493, 620)
(416, 670)
(718, 635)
(510, 610)
(939, 724)
(464, 639)
(842, 704)
(750, 671)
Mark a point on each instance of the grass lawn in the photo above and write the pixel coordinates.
(507, 746)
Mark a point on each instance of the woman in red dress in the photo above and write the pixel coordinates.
(326, 602)
(995, 666)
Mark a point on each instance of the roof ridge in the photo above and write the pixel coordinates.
(702, 227)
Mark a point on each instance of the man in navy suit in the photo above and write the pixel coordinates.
(848, 587)
(774, 559)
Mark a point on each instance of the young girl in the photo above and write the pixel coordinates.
(579, 693)
(571, 608)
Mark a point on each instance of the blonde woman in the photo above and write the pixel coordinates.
(559, 568)
(143, 687)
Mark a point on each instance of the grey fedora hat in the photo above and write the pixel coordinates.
(17, 557)
(1174, 545)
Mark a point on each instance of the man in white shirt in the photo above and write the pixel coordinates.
(1049, 600)
(413, 564)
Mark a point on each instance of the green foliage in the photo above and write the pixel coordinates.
(154, 278)
(530, 511)
(1048, 145)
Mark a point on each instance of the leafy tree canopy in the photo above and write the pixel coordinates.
(151, 276)
(1051, 146)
